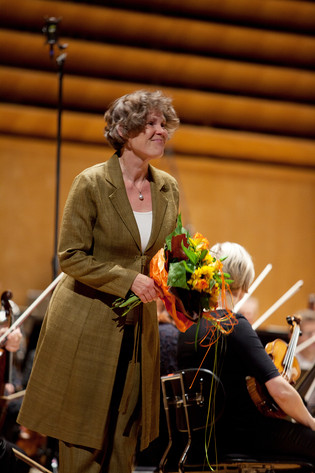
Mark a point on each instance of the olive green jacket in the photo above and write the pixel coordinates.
(69, 391)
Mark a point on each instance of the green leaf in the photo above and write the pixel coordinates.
(131, 306)
(190, 254)
(178, 231)
(189, 266)
(228, 281)
(212, 283)
(197, 332)
(128, 303)
(203, 254)
(177, 275)
(204, 301)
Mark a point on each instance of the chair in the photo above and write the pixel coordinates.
(190, 397)
(187, 396)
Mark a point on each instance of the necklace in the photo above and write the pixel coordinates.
(141, 197)
(139, 190)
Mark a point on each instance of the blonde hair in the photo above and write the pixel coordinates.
(127, 115)
(238, 264)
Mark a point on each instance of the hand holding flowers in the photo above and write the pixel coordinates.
(145, 288)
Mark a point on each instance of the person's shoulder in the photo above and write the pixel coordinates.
(163, 178)
(97, 173)
(229, 323)
(94, 170)
(90, 178)
(241, 323)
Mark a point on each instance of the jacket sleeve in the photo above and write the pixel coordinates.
(77, 242)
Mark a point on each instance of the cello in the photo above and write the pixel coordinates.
(283, 356)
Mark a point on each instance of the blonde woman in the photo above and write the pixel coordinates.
(242, 427)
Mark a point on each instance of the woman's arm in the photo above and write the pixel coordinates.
(77, 249)
(289, 400)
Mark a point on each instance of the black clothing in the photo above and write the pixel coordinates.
(8, 461)
(152, 455)
(238, 355)
(168, 348)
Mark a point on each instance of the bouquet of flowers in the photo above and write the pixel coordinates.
(190, 278)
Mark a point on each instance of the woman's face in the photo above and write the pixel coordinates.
(150, 143)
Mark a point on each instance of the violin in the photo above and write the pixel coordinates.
(5, 303)
(283, 356)
(30, 442)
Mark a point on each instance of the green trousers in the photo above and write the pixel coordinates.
(118, 453)
(76, 459)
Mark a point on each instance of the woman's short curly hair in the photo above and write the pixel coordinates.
(127, 115)
(238, 264)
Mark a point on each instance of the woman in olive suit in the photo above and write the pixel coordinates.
(95, 379)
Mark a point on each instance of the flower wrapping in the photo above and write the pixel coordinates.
(160, 275)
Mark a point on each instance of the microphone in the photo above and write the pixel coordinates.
(51, 30)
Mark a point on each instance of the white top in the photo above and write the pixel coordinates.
(144, 222)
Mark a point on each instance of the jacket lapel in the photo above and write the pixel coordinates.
(159, 204)
(120, 200)
(122, 205)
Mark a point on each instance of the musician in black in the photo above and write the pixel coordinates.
(8, 461)
(242, 427)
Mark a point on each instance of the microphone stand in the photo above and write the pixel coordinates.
(50, 29)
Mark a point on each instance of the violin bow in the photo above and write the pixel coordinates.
(253, 287)
(30, 309)
(305, 344)
(278, 303)
(29, 461)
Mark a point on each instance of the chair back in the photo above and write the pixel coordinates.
(193, 400)
(198, 395)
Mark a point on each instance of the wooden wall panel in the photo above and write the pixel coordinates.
(164, 32)
(167, 68)
(290, 15)
(193, 106)
(242, 78)
(27, 209)
(196, 140)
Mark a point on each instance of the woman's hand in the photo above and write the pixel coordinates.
(145, 288)
(9, 389)
(13, 340)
